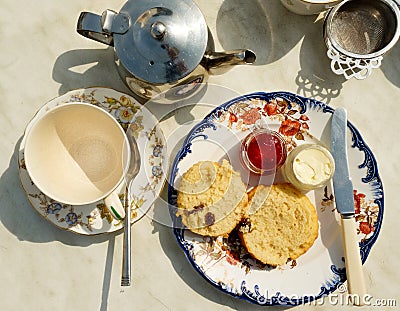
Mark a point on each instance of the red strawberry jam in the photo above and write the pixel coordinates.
(263, 151)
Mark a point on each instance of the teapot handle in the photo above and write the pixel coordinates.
(101, 28)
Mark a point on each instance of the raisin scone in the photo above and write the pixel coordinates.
(211, 198)
(281, 224)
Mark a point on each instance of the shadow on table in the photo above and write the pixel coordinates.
(273, 32)
(20, 218)
(315, 78)
(391, 65)
(85, 68)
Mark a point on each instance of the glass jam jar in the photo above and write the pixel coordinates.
(263, 151)
(309, 166)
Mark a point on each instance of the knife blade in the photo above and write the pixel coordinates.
(341, 178)
(344, 199)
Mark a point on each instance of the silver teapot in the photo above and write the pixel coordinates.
(160, 46)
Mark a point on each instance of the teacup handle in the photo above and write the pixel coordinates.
(114, 205)
(101, 28)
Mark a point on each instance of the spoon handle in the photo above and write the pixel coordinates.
(126, 255)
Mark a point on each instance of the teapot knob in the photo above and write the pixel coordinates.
(158, 30)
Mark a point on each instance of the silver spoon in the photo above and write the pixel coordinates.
(133, 170)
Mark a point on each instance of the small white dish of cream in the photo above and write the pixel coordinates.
(309, 166)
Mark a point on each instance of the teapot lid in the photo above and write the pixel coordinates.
(164, 41)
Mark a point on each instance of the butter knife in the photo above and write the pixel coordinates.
(344, 199)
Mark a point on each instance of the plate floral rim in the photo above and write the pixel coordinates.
(372, 177)
(128, 111)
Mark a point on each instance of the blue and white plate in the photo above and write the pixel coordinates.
(223, 261)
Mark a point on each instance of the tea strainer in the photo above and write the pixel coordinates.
(358, 33)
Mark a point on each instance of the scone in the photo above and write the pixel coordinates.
(281, 224)
(211, 198)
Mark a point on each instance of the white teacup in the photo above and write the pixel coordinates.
(78, 154)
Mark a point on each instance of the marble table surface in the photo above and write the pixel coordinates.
(42, 57)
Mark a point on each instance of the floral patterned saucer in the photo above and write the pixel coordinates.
(94, 218)
(223, 261)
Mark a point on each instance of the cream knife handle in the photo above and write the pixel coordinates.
(354, 271)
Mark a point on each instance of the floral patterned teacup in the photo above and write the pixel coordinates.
(78, 154)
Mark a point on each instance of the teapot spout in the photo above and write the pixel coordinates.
(219, 62)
